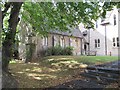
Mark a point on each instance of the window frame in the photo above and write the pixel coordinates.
(97, 43)
(117, 41)
(115, 22)
(114, 42)
(45, 41)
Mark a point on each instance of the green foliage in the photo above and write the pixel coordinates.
(12, 61)
(68, 50)
(45, 16)
(109, 6)
(58, 50)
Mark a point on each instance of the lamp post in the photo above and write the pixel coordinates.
(105, 24)
(105, 41)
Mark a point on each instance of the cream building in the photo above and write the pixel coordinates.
(104, 39)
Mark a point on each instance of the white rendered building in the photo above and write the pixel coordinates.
(104, 39)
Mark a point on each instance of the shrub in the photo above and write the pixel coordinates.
(58, 50)
(68, 50)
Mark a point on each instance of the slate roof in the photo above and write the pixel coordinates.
(73, 32)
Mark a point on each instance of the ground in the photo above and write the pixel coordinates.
(54, 70)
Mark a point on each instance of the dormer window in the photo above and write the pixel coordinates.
(102, 20)
(114, 19)
(84, 33)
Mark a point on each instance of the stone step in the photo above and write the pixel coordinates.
(104, 69)
(104, 74)
(100, 79)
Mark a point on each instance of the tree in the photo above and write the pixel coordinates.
(51, 16)
(109, 6)
(43, 17)
(8, 42)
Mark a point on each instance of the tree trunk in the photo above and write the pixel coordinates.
(7, 50)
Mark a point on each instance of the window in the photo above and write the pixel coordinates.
(45, 41)
(97, 43)
(53, 41)
(113, 42)
(62, 42)
(96, 24)
(102, 19)
(114, 19)
(70, 41)
(85, 47)
(59, 41)
(118, 42)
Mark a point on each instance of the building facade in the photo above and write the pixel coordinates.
(105, 38)
(54, 38)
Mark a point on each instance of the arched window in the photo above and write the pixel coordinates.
(114, 19)
(45, 41)
(62, 41)
(53, 40)
(70, 41)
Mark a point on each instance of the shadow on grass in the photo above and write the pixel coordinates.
(40, 75)
(77, 84)
(91, 82)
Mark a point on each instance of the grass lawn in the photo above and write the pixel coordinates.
(53, 70)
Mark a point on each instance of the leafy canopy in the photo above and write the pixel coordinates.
(45, 16)
(109, 6)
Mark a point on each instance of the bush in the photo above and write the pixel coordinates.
(58, 50)
(68, 50)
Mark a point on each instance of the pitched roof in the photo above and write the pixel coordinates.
(73, 32)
